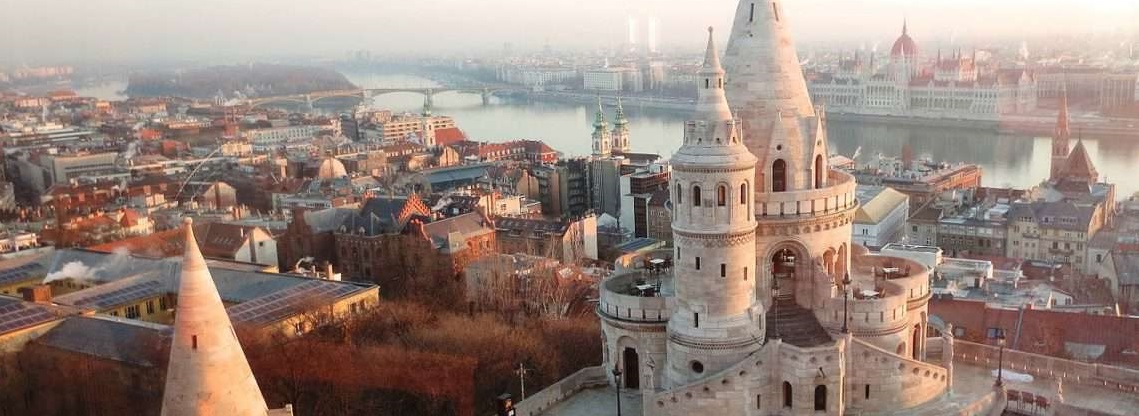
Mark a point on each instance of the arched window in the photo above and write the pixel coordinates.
(696, 196)
(819, 172)
(743, 193)
(679, 194)
(821, 398)
(721, 195)
(779, 176)
(787, 395)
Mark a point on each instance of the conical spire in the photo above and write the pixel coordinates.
(763, 62)
(599, 120)
(1063, 119)
(711, 54)
(711, 102)
(905, 26)
(207, 373)
(621, 120)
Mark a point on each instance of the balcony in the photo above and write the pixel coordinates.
(637, 296)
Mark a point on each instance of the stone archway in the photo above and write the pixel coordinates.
(788, 265)
(632, 368)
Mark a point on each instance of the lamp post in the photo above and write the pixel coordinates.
(846, 303)
(617, 381)
(1000, 336)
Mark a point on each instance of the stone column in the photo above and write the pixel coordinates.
(947, 356)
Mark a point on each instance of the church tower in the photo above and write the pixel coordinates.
(207, 373)
(717, 320)
(621, 130)
(602, 138)
(1061, 140)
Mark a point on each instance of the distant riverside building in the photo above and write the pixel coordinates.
(613, 80)
(953, 86)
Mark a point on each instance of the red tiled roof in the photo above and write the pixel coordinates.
(449, 136)
(1044, 331)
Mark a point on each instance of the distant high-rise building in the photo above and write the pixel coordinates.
(634, 28)
(654, 35)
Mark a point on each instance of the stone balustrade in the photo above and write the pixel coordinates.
(585, 378)
(1043, 366)
(837, 196)
(619, 302)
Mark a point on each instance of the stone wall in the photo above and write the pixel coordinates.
(588, 377)
(893, 382)
(754, 386)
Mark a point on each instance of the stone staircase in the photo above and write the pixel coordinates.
(795, 325)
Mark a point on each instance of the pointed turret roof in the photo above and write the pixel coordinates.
(621, 120)
(207, 373)
(765, 72)
(1080, 166)
(711, 102)
(712, 55)
(599, 121)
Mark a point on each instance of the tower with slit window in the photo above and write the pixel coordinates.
(718, 320)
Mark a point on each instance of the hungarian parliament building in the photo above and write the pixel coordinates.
(949, 87)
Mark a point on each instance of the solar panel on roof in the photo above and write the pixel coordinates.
(22, 316)
(282, 304)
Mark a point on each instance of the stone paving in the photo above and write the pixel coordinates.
(973, 381)
(598, 402)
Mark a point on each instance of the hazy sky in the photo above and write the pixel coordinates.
(53, 30)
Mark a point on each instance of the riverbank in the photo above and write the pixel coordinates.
(1012, 125)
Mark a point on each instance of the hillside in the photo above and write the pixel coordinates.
(257, 80)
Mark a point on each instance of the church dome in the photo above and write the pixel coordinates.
(331, 168)
(904, 46)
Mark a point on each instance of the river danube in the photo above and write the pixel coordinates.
(1007, 160)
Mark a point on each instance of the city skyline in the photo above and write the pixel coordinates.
(61, 32)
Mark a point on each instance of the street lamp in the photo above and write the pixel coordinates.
(617, 381)
(1000, 337)
(845, 303)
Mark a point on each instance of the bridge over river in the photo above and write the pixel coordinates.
(366, 94)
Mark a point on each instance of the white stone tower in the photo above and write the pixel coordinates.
(620, 135)
(207, 373)
(717, 320)
(804, 209)
(768, 94)
(602, 137)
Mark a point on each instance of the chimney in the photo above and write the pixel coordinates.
(329, 274)
(36, 294)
